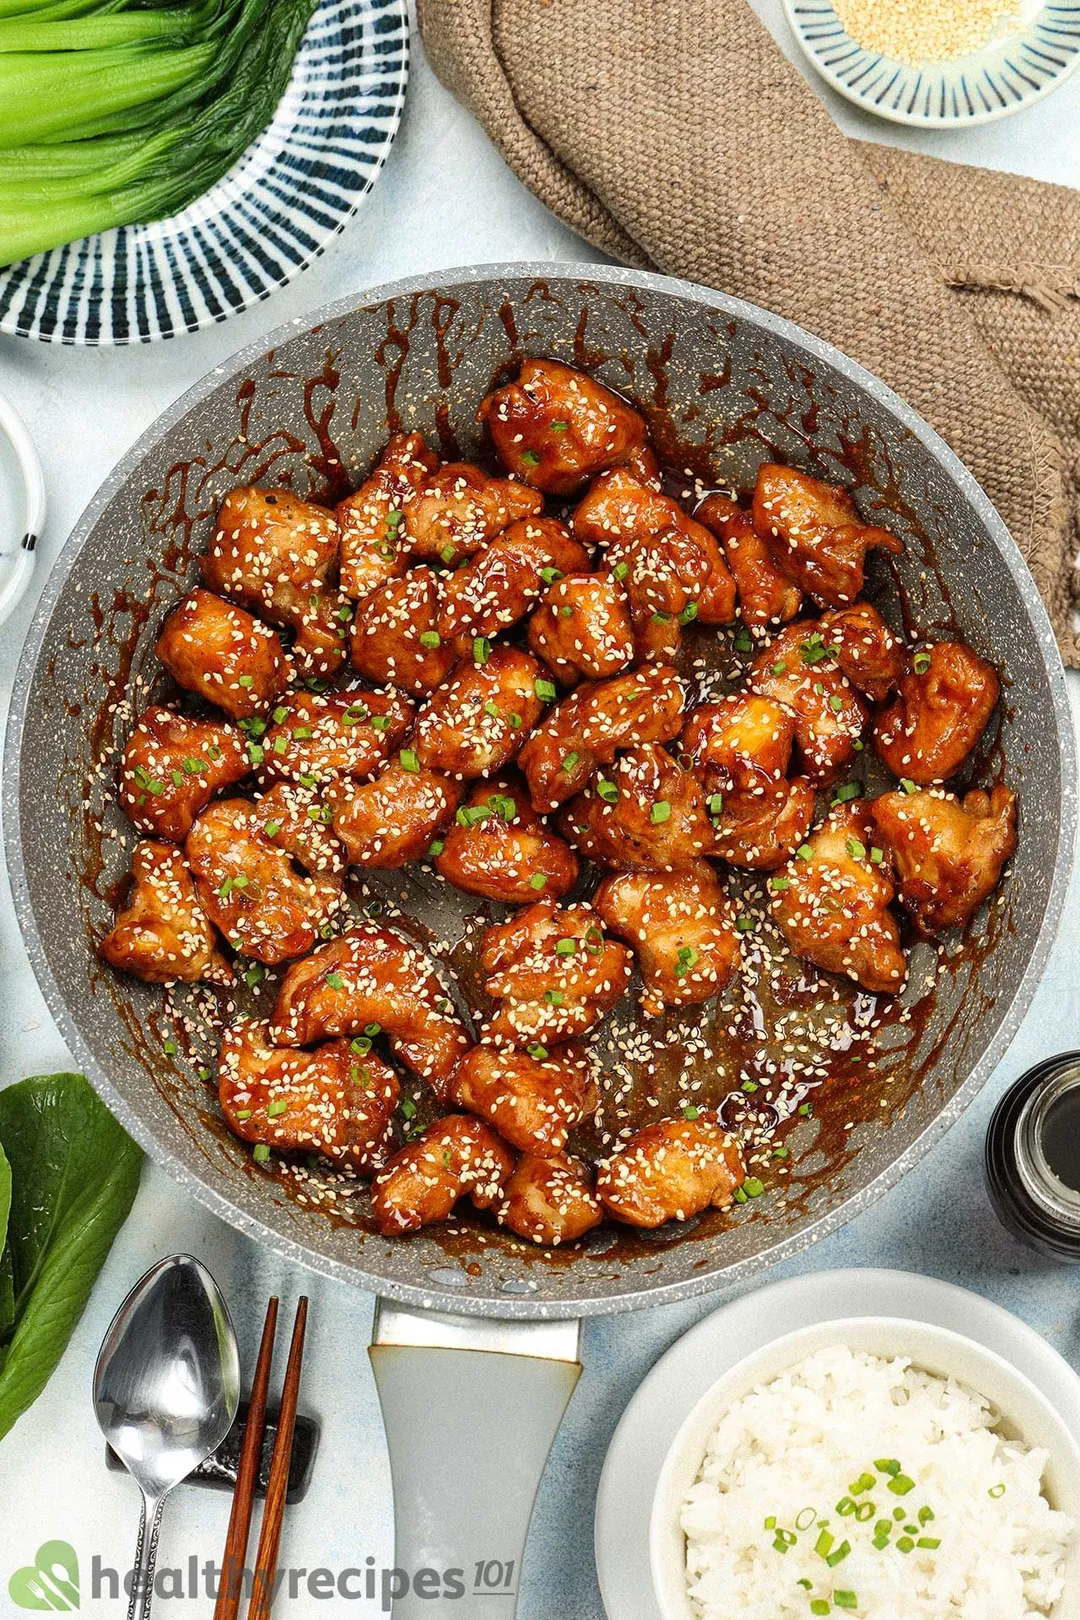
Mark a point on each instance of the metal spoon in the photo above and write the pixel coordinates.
(166, 1389)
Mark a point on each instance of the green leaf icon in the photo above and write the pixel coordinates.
(50, 1582)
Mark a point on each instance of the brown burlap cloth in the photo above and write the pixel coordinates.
(675, 135)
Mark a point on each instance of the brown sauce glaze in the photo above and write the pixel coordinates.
(798, 1061)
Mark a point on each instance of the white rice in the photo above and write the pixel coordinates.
(801, 1442)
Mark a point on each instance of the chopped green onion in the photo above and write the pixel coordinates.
(261, 1153)
(849, 791)
(620, 570)
(752, 1187)
(554, 998)
(995, 1491)
(276, 1108)
(922, 662)
(900, 1484)
(745, 925)
(550, 575)
(804, 852)
(908, 785)
(481, 649)
(660, 811)
(430, 638)
(335, 981)
(538, 881)
(743, 642)
(537, 1050)
(689, 613)
(245, 680)
(571, 761)
(857, 848)
(839, 1555)
(567, 946)
(845, 1600)
(887, 1465)
(545, 690)
(530, 458)
(409, 760)
(607, 790)
(690, 1111)
(824, 1543)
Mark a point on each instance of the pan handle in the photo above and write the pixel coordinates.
(471, 1407)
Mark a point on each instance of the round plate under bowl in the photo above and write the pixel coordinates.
(22, 506)
(264, 221)
(1003, 77)
(726, 1337)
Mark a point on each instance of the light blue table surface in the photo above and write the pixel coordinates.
(445, 199)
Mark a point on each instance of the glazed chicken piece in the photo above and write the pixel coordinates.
(161, 933)
(216, 649)
(371, 517)
(171, 768)
(553, 972)
(549, 1201)
(741, 747)
(739, 743)
(507, 577)
(394, 637)
(832, 902)
(582, 628)
(460, 508)
(556, 426)
(682, 930)
(533, 1099)
(943, 704)
(815, 533)
(948, 852)
(499, 848)
(670, 1171)
(373, 976)
(336, 1100)
(394, 819)
(866, 651)
(766, 596)
(761, 829)
(589, 727)
(277, 556)
(477, 720)
(424, 1180)
(268, 874)
(502, 581)
(646, 812)
(673, 567)
(320, 737)
(798, 671)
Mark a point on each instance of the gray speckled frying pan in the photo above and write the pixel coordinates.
(725, 385)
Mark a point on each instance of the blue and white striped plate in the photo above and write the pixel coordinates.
(990, 83)
(264, 221)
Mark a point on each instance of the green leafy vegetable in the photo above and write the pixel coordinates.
(113, 112)
(71, 1176)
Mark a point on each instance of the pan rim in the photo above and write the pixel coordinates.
(528, 1306)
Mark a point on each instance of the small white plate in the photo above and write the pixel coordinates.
(22, 506)
(695, 1362)
(991, 83)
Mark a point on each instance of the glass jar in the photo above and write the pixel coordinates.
(1033, 1157)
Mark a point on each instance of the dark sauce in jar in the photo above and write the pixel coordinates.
(1033, 1157)
(1061, 1138)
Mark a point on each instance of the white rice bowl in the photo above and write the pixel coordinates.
(802, 1440)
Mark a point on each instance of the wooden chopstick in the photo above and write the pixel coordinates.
(262, 1593)
(247, 1474)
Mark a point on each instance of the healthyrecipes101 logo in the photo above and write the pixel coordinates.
(50, 1582)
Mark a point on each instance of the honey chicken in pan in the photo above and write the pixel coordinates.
(487, 672)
